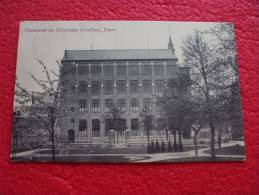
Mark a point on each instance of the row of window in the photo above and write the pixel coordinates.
(121, 86)
(109, 105)
(121, 125)
(121, 70)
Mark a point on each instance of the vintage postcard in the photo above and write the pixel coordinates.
(126, 91)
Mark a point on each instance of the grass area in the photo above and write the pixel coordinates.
(110, 150)
(204, 159)
(78, 159)
(229, 150)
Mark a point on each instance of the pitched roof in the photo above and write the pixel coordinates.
(125, 54)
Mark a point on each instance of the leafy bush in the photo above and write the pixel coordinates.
(152, 147)
(169, 147)
(148, 148)
(163, 146)
(157, 148)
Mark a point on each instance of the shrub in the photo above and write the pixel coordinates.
(148, 148)
(152, 147)
(157, 148)
(163, 146)
(169, 147)
(175, 147)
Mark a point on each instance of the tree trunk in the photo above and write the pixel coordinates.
(180, 140)
(166, 130)
(148, 141)
(52, 134)
(175, 142)
(195, 143)
(117, 132)
(212, 141)
(16, 143)
(219, 138)
(219, 141)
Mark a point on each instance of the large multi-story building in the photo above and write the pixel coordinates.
(95, 80)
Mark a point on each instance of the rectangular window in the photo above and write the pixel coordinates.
(83, 87)
(108, 125)
(135, 126)
(63, 82)
(146, 69)
(64, 72)
(96, 70)
(121, 86)
(83, 105)
(95, 105)
(96, 127)
(147, 86)
(108, 105)
(121, 70)
(133, 69)
(108, 87)
(122, 104)
(82, 125)
(161, 125)
(108, 70)
(158, 69)
(64, 91)
(73, 89)
(73, 71)
(96, 87)
(133, 86)
(72, 74)
(147, 104)
(134, 104)
(83, 70)
(159, 85)
(121, 126)
(170, 68)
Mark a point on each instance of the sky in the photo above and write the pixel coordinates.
(48, 40)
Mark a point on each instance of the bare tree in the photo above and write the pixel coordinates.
(226, 46)
(209, 78)
(197, 121)
(42, 105)
(147, 121)
(225, 49)
(175, 104)
(114, 114)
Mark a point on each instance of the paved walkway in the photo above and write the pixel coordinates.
(169, 156)
(27, 153)
(137, 157)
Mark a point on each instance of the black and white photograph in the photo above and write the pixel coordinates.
(126, 92)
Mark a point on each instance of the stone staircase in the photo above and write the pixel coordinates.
(131, 142)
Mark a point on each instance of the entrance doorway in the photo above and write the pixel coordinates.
(71, 136)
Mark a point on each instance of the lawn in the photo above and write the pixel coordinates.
(78, 159)
(110, 150)
(110, 155)
(229, 150)
(204, 159)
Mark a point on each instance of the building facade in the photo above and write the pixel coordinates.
(92, 81)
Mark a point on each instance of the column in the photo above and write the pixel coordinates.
(127, 96)
(102, 102)
(141, 133)
(90, 105)
(77, 136)
(114, 81)
(165, 73)
(153, 101)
